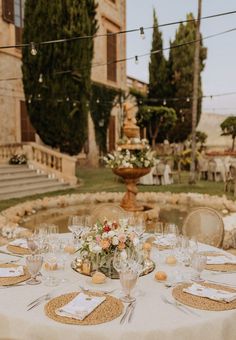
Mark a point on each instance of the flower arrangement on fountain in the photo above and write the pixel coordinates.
(100, 243)
(127, 158)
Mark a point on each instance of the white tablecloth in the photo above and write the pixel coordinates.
(152, 320)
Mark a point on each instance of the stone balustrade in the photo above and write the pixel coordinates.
(42, 158)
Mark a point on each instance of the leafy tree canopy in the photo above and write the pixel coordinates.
(228, 127)
(156, 119)
(58, 107)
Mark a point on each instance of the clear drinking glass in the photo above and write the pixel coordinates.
(76, 225)
(198, 264)
(34, 264)
(128, 280)
(159, 230)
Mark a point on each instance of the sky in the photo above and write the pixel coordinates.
(219, 75)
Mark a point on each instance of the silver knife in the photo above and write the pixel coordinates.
(131, 311)
(122, 320)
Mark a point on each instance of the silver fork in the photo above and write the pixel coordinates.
(38, 301)
(132, 311)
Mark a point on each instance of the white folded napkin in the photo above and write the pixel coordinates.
(20, 242)
(166, 241)
(221, 259)
(210, 293)
(81, 306)
(11, 271)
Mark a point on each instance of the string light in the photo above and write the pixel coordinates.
(98, 101)
(67, 99)
(40, 78)
(142, 34)
(33, 50)
(164, 102)
(187, 99)
(62, 40)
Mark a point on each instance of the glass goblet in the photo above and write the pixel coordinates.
(34, 264)
(198, 264)
(128, 279)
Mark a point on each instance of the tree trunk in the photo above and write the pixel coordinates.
(233, 143)
(192, 177)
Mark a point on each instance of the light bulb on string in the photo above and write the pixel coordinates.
(30, 99)
(33, 50)
(98, 101)
(142, 34)
(74, 104)
(136, 60)
(87, 104)
(67, 99)
(188, 100)
(40, 78)
(164, 102)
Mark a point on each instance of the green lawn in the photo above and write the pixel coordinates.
(102, 179)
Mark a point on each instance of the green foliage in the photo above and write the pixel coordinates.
(155, 119)
(157, 65)
(228, 127)
(181, 61)
(102, 102)
(58, 107)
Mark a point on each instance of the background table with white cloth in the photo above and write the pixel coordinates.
(152, 319)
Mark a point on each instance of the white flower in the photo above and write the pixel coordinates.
(111, 233)
(96, 249)
(136, 241)
(104, 235)
(115, 241)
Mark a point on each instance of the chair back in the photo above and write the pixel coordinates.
(206, 225)
(109, 211)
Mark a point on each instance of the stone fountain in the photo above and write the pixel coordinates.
(131, 175)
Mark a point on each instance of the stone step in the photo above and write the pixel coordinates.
(15, 170)
(31, 192)
(20, 181)
(17, 182)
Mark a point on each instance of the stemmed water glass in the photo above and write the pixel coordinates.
(34, 264)
(76, 225)
(198, 264)
(128, 267)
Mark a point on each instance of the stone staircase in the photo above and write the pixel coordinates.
(20, 181)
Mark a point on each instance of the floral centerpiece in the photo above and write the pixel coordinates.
(127, 158)
(100, 243)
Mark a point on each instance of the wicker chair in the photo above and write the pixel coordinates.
(109, 211)
(206, 225)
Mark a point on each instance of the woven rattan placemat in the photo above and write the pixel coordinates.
(6, 281)
(219, 267)
(18, 250)
(110, 309)
(202, 302)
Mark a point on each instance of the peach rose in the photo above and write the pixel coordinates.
(121, 246)
(122, 238)
(105, 244)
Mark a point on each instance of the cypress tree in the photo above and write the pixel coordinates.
(58, 106)
(180, 64)
(157, 66)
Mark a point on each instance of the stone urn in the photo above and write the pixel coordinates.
(131, 177)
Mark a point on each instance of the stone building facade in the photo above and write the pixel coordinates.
(15, 126)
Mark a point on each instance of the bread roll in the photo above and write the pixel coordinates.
(171, 260)
(98, 278)
(160, 276)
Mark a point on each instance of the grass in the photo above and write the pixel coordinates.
(103, 179)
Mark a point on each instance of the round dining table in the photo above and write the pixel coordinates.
(152, 319)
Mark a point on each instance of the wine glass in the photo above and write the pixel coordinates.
(159, 230)
(127, 265)
(34, 264)
(198, 264)
(76, 225)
